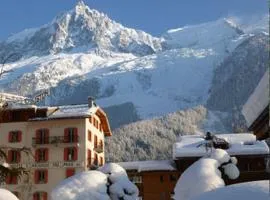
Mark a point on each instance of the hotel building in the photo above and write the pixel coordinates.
(63, 140)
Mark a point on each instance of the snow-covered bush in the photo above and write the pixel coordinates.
(110, 182)
(7, 195)
(206, 175)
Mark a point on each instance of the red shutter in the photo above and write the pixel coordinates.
(70, 172)
(10, 137)
(8, 179)
(45, 196)
(14, 180)
(47, 136)
(19, 136)
(65, 154)
(75, 153)
(9, 158)
(35, 196)
(18, 156)
(38, 137)
(90, 120)
(46, 154)
(66, 135)
(76, 134)
(36, 176)
(46, 176)
(95, 141)
(89, 135)
(37, 155)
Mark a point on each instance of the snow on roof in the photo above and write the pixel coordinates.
(258, 100)
(69, 111)
(239, 144)
(150, 165)
(73, 111)
(248, 191)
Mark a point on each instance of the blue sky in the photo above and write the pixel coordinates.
(153, 16)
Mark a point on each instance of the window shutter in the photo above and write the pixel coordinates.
(10, 137)
(46, 154)
(45, 196)
(9, 157)
(89, 135)
(47, 136)
(38, 137)
(19, 136)
(66, 135)
(36, 176)
(76, 134)
(46, 176)
(35, 196)
(18, 156)
(14, 180)
(37, 155)
(70, 172)
(65, 154)
(8, 179)
(75, 153)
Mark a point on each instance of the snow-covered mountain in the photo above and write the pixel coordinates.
(84, 53)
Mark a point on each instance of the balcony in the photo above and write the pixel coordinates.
(98, 148)
(55, 140)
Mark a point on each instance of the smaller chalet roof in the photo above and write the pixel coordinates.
(149, 165)
(239, 144)
(258, 100)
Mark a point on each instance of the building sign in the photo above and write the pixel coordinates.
(56, 164)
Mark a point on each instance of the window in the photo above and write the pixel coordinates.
(71, 154)
(11, 179)
(89, 135)
(15, 136)
(101, 144)
(42, 136)
(89, 157)
(95, 141)
(42, 155)
(101, 161)
(14, 156)
(136, 179)
(70, 172)
(161, 179)
(90, 120)
(41, 176)
(40, 196)
(173, 178)
(71, 135)
(96, 160)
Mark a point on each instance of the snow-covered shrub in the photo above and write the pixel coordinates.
(119, 185)
(109, 182)
(206, 175)
(7, 195)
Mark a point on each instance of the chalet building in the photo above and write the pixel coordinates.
(64, 140)
(250, 153)
(155, 179)
(256, 109)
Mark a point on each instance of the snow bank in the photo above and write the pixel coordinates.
(109, 182)
(7, 195)
(121, 187)
(204, 175)
(85, 185)
(248, 191)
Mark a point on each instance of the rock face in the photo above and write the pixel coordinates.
(238, 75)
(83, 53)
(80, 29)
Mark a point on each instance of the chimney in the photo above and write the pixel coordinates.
(91, 102)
